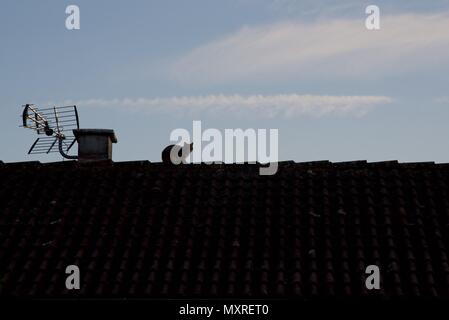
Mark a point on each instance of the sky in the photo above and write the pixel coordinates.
(334, 90)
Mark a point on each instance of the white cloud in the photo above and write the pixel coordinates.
(322, 48)
(261, 105)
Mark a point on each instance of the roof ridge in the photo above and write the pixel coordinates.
(315, 164)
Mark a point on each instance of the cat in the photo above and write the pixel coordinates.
(175, 154)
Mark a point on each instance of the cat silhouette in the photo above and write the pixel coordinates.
(175, 154)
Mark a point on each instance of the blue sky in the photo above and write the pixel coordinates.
(335, 90)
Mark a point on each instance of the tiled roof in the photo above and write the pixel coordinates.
(141, 229)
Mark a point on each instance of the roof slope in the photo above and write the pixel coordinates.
(140, 229)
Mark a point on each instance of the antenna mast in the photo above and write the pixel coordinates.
(57, 123)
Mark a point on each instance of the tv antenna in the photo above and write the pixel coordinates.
(57, 124)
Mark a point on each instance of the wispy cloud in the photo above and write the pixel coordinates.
(337, 47)
(442, 100)
(261, 105)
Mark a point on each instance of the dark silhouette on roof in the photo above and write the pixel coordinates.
(141, 229)
(180, 154)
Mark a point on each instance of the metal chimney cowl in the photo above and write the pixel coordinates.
(94, 144)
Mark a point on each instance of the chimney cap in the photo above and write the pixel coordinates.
(95, 132)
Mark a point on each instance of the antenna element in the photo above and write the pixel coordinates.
(56, 123)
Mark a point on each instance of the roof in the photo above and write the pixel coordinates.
(141, 229)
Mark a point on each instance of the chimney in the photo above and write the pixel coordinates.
(94, 144)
